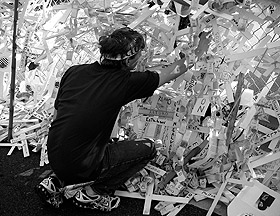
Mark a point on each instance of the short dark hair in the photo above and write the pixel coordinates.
(123, 43)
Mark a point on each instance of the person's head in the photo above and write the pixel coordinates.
(122, 48)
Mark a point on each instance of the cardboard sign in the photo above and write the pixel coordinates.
(257, 200)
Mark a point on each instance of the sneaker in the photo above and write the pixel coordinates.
(100, 202)
(49, 191)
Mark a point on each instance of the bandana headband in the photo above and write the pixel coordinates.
(131, 52)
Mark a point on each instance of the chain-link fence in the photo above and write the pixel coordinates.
(261, 32)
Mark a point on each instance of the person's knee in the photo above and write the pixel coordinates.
(151, 143)
(144, 143)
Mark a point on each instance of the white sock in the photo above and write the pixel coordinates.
(89, 190)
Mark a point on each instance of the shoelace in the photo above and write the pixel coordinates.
(107, 200)
(56, 199)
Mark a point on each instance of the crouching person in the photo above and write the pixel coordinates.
(89, 99)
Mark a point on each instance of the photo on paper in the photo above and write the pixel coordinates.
(264, 201)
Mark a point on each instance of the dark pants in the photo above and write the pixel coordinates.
(122, 160)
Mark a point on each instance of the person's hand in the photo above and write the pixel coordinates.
(182, 65)
(173, 71)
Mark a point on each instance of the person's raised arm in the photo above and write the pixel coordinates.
(173, 71)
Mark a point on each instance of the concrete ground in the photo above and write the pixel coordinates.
(19, 175)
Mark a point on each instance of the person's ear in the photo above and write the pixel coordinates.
(130, 60)
(127, 62)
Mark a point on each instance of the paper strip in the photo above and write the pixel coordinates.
(155, 169)
(170, 199)
(252, 111)
(142, 17)
(210, 195)
(179, 207)
(217, 198)
(154, 112)
(25, 149)
(148, 198)
(163, 122)
(245, 55)
(265, 160)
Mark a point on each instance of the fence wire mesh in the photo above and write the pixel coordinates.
(260, 32)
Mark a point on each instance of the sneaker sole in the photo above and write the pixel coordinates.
(91, 206)
(83, 205)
